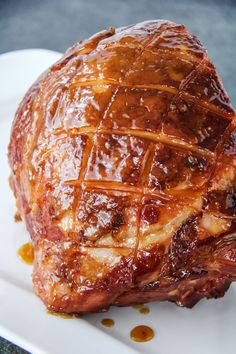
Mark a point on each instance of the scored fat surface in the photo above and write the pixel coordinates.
(123, 158)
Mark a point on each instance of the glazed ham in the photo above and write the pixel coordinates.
(123, 158)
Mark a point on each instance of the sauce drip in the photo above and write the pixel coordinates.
(64, 315)
(137, 307)
(17, 217)
(107, 322)
(141, 333)
(144, 310)
(26, 253)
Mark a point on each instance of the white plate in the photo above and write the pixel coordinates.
(208, 328)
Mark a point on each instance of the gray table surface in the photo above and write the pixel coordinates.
(57, 24)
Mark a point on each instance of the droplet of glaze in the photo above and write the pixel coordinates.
(107, 322)
(26, 253)
(141, 333)
(144, 310)
(17, 217)
(66, 316)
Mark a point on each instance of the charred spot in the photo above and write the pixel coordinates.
(150, 214)
(231, 201)
(196, 162)
(183, 243)
(148, 261)
(197, 124)
(80, 235)
(229, 147)
(112, 142)
(118, 220)
(62, 271)
(186, 234)
(131, 175)
(99, 201)
(215, 127)
(49, 186)
(52, 212)
(67, 264)
(119, 277)
(101, 213)
(223, 201)
(66, 271)
(163, 155)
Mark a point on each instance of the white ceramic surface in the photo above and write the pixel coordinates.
(208, 328)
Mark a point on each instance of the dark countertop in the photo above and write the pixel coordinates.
(57, 24)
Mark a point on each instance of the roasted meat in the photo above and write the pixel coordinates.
(123, 158)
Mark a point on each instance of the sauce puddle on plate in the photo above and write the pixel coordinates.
(107, 322)
(26, 253)
(141, 333)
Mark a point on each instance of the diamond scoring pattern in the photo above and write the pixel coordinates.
(146, 162)
(114, 156)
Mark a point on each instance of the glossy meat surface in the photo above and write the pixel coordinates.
(123, 158)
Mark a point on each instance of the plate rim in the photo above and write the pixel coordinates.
(5, 331)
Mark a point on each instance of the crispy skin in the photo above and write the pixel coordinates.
(123, 158)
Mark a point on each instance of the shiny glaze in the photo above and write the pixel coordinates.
(141, 333)
(123, 166)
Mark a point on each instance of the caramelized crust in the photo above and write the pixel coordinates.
(123, 158)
